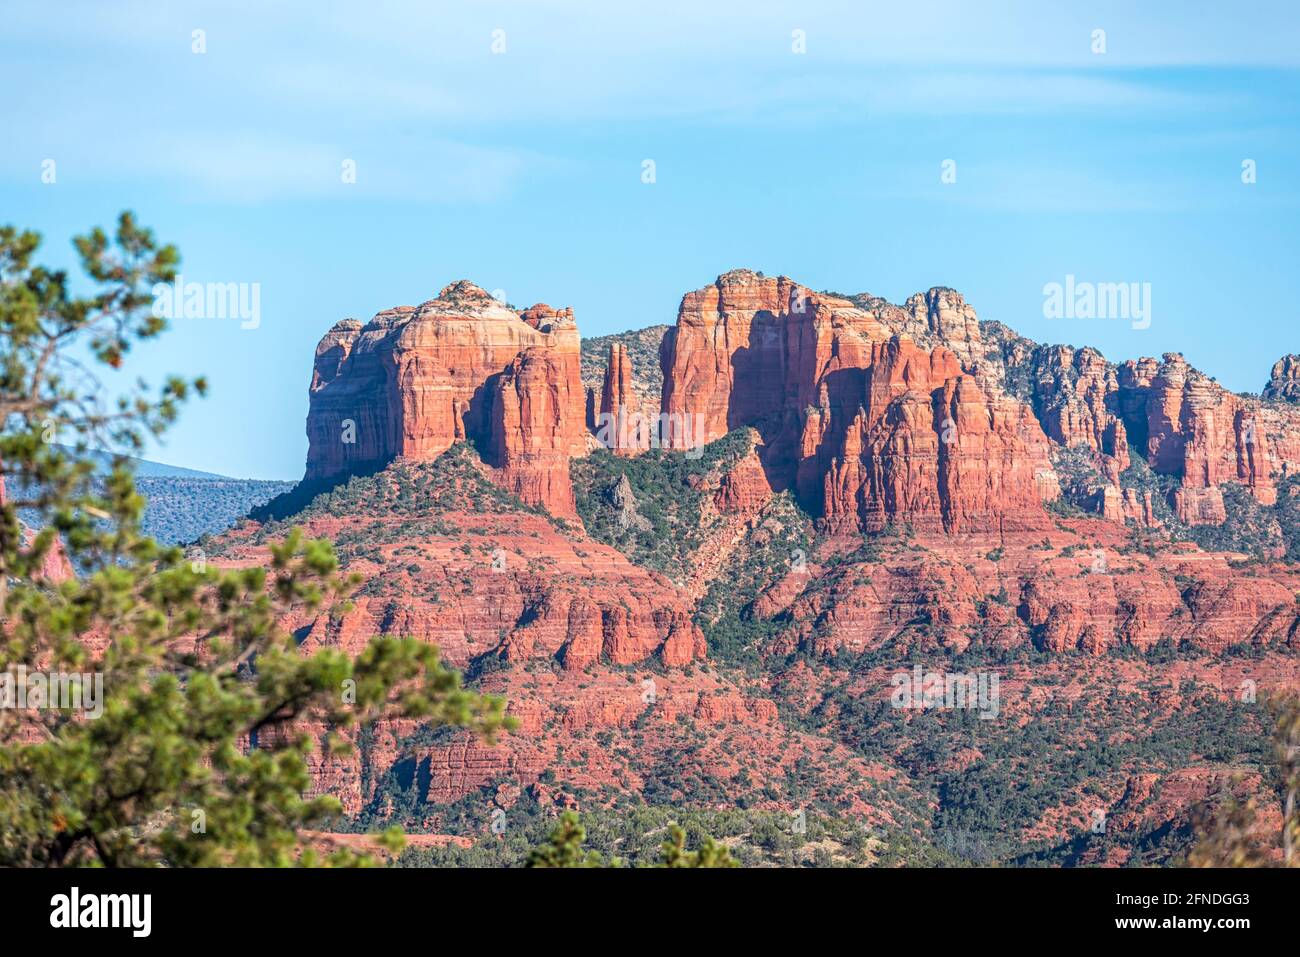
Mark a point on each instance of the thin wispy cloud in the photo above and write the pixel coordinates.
(243, 166)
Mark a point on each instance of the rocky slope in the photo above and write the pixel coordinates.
(599, 658)
(851, 489)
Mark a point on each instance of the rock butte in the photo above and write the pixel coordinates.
(874, 416)
(872, 413)
(462, 367)
(876, 412)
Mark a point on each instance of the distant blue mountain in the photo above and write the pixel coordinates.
(149, 469)
(182, 505)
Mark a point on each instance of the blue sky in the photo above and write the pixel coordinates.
(522, 170)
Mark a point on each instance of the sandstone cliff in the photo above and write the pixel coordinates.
(866, 424)
(1180, 421)
(461, 367)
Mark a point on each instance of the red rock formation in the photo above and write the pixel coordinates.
(1079, 404)
(1198, 430)
(862, 445)
(623, 426)
(875, 415)
(536, 423)
(641, 347)
(938, 317)
(946, 316)
(743, 489)
(1083, 589)
(930, 448)
(413, 381)
(727, 359)
(1127, 505)
(1199, 506)
(1183, 423)
(1284, 380)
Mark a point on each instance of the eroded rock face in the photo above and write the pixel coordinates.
(1127, 505)
(1198, 430)
(743, 489)
(461, 367)
(753, 351)
(938, 317)
(868, 426)
(945, 315)
(930, 448)
(1284, 380)
(624, 426)
(536, 425)
(1182, 422)
(1080, 403)
(1199, 506)
(1078, 587)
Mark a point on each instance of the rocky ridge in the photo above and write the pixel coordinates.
(912, 482)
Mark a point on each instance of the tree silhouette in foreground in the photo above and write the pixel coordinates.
(1232, 835)
(194, 661)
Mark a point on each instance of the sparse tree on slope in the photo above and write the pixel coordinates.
(194, 661)
(564, 849)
